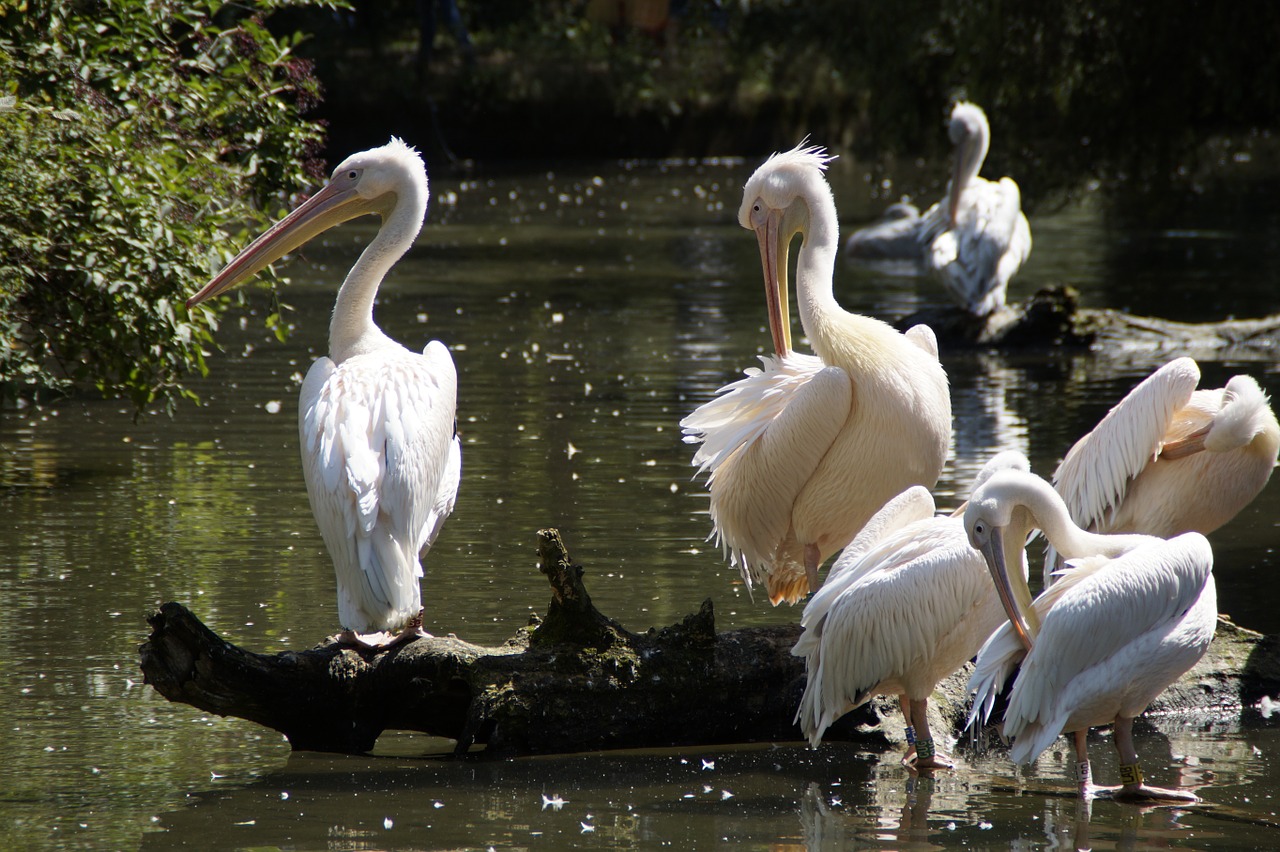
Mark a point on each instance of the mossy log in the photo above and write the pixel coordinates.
(576, 680)
(1053, 317)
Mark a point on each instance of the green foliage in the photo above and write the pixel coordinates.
(133, 135)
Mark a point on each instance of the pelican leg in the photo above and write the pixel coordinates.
(910, 755)
(1083, 771)
(812, 558)
(1131, 787)
(926, 755)
(383, 639)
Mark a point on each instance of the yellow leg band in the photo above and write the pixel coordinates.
(1130, 773)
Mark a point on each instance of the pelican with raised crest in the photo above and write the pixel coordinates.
(802, 453)
(376, 422)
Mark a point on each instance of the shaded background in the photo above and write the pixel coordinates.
(1104, 89)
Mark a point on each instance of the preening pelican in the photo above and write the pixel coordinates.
(380, 452)
(1169, 459)
(1130, 615)
(974, 239)
(802, 453)
(903, 606)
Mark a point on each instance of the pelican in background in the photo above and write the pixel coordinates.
(903, 606)
(380, 451)
(974, 239)
(1129, 616)
(802, 453)
(895, 236)
(1170, 459)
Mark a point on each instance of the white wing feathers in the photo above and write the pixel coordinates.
(1090, 634)
(888, 619)
(742, 410)
(1096, 471)
(913, 504)
(990, 241)
(762, 436)
(382, 463)
(1093, 475)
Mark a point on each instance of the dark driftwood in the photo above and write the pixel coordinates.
(576, 680)
(1054, 318)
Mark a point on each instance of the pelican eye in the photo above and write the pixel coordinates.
(979, 528)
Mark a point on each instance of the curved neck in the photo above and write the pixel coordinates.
(815, 268)
(1049, 513)
(352, 330)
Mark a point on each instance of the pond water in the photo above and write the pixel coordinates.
(588, 307)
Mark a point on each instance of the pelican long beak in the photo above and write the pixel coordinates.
(774, 248)
(1187, 446)
(993, 553)
(330, 206)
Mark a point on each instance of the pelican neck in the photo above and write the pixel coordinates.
(352, 330)
(1050, 514)
(823, 319)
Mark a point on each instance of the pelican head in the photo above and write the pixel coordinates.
(971, 136)
(377, 181)
(1001, 512)
(770, 208)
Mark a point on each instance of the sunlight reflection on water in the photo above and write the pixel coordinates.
(587, 311)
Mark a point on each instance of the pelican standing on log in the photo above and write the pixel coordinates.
(380, 452)
(974, 239)
(1170, 459)
(906, 604)
(802, 453)
(1129, 616)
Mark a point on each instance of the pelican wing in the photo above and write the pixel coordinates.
(990, 240)
(895, 620)
(381, 463)
(867, 553)
(1097, 470)
(761, 439)
(440, 364)
(1103, 638)
(912, 505)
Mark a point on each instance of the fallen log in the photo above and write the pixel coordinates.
(576, 680)
(1053, 317)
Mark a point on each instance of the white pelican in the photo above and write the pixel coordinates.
(380, 452)
(1169, 459)
(1130, 615)
(974, 239)
(904, 605)
(802, 453)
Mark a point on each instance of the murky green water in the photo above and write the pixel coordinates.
(588, 309)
